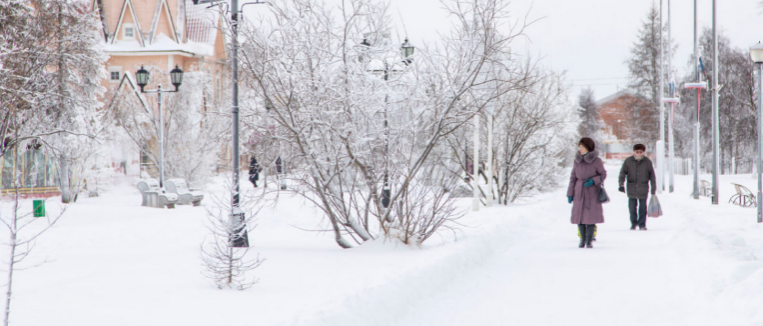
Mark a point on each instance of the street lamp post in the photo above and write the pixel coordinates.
(673, 99)
(673, 94)
(239, 238)
(756, 53)
(661, 158)
(406, 50)
(142, 76)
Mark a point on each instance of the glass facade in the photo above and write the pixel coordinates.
(34, 169)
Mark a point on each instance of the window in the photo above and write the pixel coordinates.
(115, 74)
(129, 32)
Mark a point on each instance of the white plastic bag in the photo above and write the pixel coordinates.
(654, 209)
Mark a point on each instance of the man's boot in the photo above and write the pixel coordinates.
(581, 230)
(589, 235)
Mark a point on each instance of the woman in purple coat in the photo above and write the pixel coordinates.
(583, 191)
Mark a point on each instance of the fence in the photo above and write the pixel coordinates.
(683, 166)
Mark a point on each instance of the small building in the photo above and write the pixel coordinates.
(618, 112)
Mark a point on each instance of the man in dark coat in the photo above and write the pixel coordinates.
(639, 172)
(254, 171)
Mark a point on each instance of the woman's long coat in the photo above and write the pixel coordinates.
(586, 208)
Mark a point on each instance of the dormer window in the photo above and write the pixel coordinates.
(129, 32)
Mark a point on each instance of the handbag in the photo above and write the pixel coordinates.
(603, 197)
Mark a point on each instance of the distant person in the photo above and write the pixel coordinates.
(639, 172)
(583, 192)
(254, 171)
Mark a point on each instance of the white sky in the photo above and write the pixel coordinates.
(592, 39)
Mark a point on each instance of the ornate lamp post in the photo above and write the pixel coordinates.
(142, 76)
(406, 50)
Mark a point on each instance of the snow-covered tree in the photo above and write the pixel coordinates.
(76, 104)
(45, 49)
(537, 127)
(358, 113)
(51, 73)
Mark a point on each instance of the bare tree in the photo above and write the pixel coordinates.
(226, 265)
(23, 230)
(737, 104)
(590, 121)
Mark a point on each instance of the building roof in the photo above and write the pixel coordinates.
(616, 95)
(193, 31)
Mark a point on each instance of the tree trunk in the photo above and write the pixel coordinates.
(64, 184)
(10, 278)
(12, 244)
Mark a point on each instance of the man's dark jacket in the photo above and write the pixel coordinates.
(639, 174)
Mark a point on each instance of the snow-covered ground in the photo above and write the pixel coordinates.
(112, 262)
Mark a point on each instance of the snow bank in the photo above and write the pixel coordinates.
(399, 289)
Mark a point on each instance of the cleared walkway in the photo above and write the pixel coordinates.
(669, 275)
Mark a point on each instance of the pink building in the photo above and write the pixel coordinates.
(159, 35)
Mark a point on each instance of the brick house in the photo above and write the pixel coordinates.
(618, 112)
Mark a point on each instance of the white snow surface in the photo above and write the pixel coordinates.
(112, 262)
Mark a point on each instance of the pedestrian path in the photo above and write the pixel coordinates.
(657, 277)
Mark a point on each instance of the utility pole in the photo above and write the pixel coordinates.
(699, 86)
(476, 165)
(756, 54)
(661, 151)
(716, 120)
(238, 237)
(489, 163)
(672, 89)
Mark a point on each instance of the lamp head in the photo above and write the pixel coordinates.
(407, 49)
(142, 77)
(756, 53)
(177, 77)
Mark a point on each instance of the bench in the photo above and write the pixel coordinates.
(704, 188)
(153, 196)
(186, 196)
(743, 196)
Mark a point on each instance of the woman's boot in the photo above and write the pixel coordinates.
(581, 231)
(589, 235)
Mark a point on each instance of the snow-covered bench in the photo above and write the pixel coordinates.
(186, 196)
(153, 196)
(704, 188)
(743, 197)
